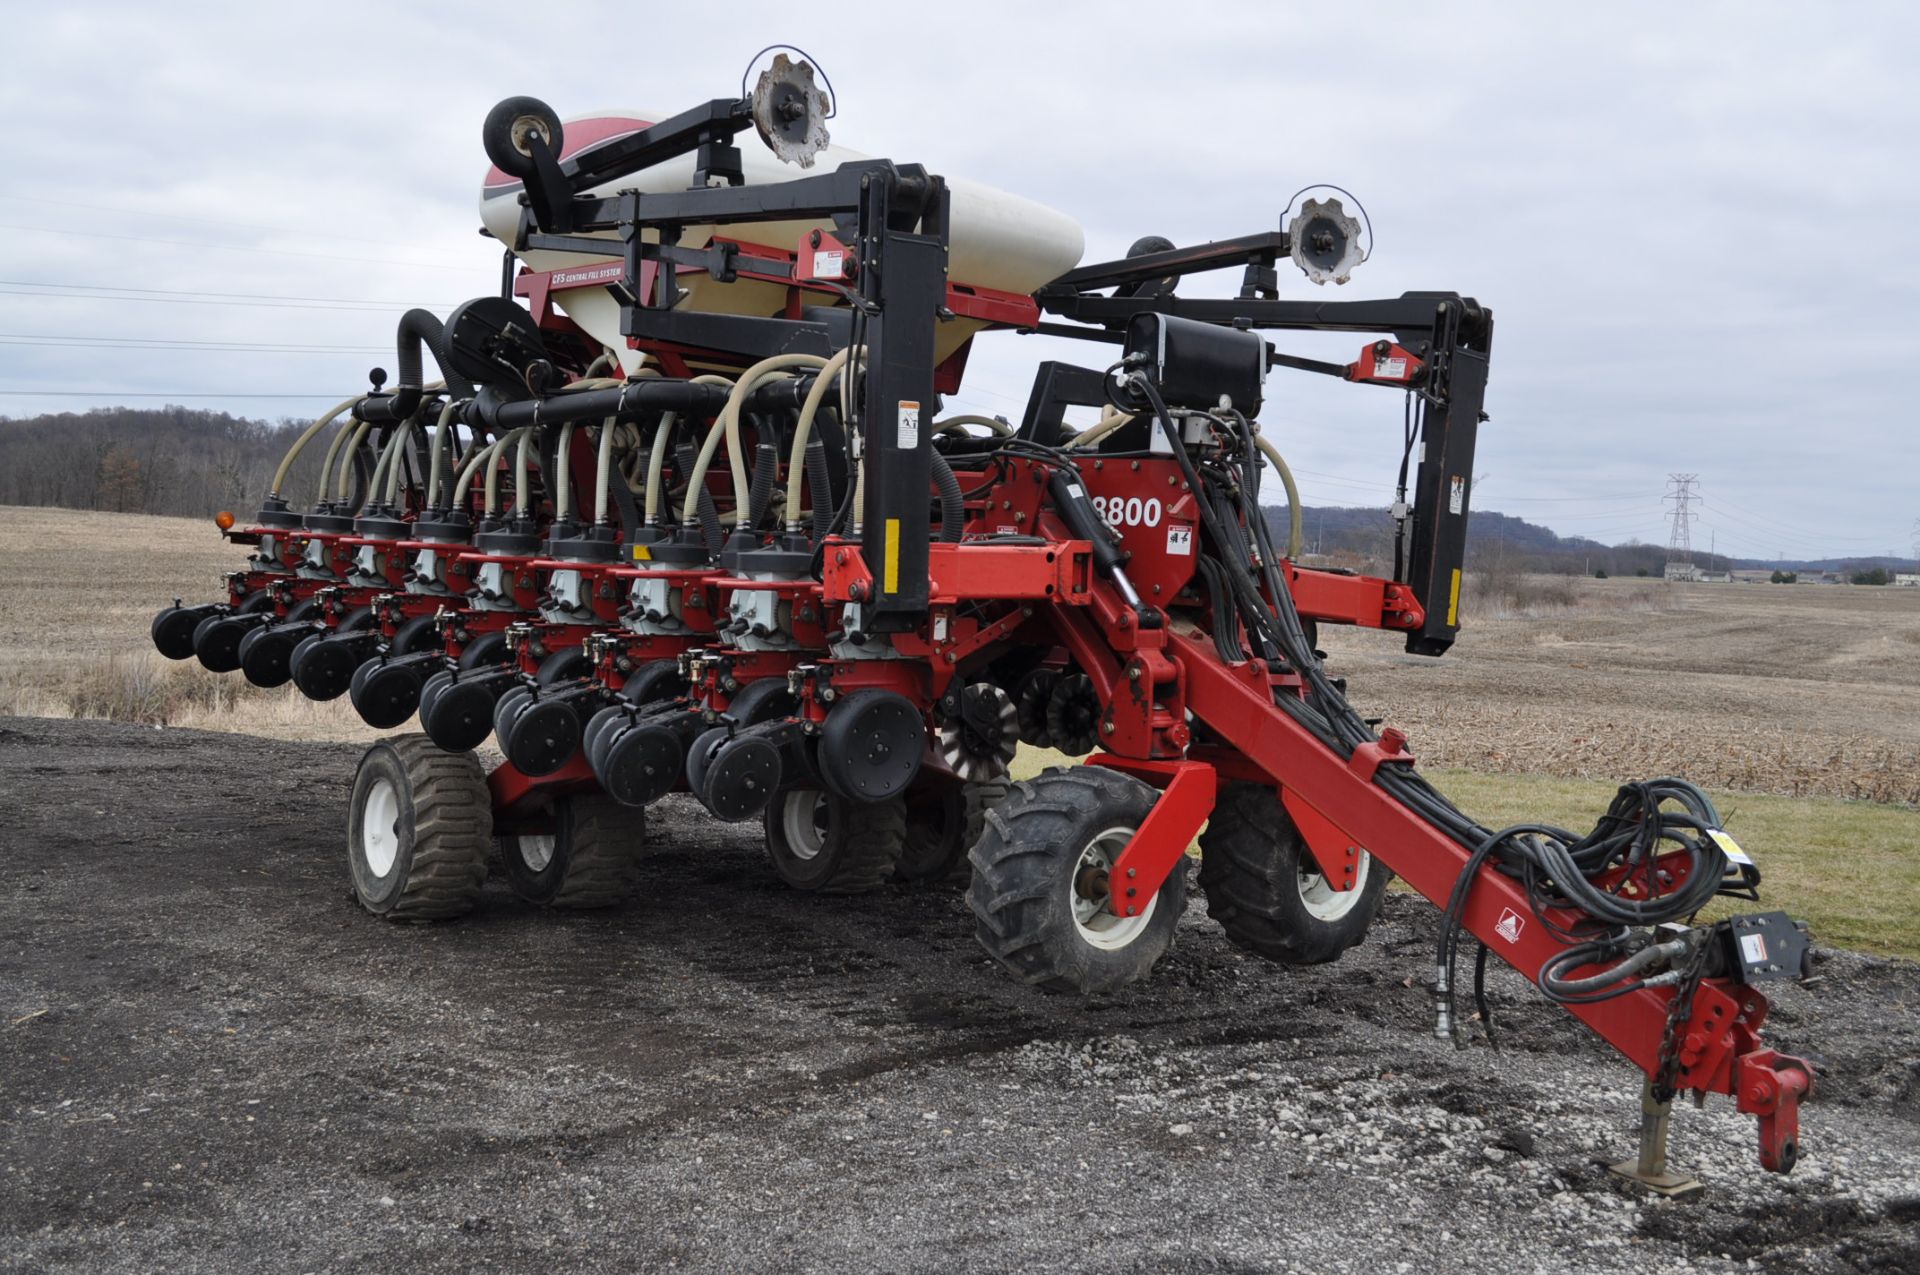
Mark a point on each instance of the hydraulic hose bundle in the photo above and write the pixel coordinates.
(1630, 848)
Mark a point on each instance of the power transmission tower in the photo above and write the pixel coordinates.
(1681, 495)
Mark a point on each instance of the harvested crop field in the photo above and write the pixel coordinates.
(213, 1060)
(1796, 689)
(1802, 690)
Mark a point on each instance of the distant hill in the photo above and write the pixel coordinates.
(1364, 537)
(178, 460)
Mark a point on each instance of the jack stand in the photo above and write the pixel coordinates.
(1650, 1169)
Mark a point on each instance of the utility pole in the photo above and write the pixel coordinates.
(1681, 495)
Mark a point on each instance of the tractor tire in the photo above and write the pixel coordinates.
(590, 860)
(419, 828)
(943, 825)
(1266, 891)
(1039, 891)
(824, 843)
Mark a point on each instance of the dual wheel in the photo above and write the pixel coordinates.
(1040, 887)
(824, 843)
(420, 838)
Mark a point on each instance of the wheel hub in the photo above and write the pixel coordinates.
(1090, 889)
(380, 827)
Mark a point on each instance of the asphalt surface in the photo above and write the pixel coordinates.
(212, 1060)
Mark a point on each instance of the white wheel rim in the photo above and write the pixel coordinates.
(803, 821)
(536, 852)
(1097, 926)
(1322, 901)
(380, 827)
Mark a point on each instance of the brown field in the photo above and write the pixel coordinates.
(1800, 690)
(1803, 690)
(77, 593)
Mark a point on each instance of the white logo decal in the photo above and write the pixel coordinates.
(1509, 925)
(1130, 511)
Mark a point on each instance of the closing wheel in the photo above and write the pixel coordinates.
(591, 859)
(385, 694)
(943, 822)
(458, 713)
(542, 736)
(173, 628)
(265, 652)
(638, 764)
(418, 830)
(216, 639)
(1267, 892)
(871, 745)
(1040, 889)
(740, 778)
(487, 649)
(507, 134)
(824, 843)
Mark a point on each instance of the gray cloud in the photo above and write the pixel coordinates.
(1696, 224)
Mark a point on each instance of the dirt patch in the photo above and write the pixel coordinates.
(210, 1058)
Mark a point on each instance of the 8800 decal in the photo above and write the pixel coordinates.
(1129, 511)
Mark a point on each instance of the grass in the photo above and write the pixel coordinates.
(1850, 869)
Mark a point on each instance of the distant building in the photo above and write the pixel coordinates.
(1714, 577)
(1907, 579)
(1682, 571)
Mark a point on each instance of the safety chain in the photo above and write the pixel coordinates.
(1667, 1070)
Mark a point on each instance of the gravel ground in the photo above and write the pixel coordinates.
(210, 1059)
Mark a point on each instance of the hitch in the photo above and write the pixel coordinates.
(1770, 1085)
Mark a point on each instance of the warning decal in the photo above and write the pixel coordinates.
(1180, 540)
(909, 434)
(1509, 925)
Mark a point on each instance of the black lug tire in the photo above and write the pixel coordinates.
(943, 825)
(597, 848)
(1023, 869)
(1250, 859)
(444, 825)
(859, 847)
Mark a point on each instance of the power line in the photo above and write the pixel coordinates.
(224, 247)
(168, 394)
(175, 296)
(302, 231)
(32, 341)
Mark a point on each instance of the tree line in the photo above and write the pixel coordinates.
(170, 460)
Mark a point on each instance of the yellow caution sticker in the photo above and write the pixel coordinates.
(1453, 600)
(1730, 848)
(642, 553)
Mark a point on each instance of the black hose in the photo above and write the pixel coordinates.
(819, 487)
(708, 513)
(417, 327)
(766, 467)
(953, 506)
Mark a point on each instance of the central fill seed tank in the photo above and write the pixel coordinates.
(998, 241)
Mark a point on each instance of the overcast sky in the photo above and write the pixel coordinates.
(1696, 224)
